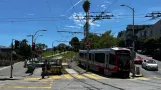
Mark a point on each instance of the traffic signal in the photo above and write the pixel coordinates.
(33, 46)
(17, 44)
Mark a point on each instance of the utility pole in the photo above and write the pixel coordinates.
(133, 44)
(86, 7)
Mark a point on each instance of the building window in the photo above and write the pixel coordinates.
(142, 34)
(150, 32)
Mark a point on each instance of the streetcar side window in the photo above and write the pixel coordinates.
(100, 57)
(89, 56)
(107, 57)
(112, 60)
(81, 55)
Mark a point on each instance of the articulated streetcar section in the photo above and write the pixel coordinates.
(109, 61)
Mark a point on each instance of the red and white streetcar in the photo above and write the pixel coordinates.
(109, 61)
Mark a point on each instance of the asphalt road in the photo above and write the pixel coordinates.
(85, 81)
(150, 74)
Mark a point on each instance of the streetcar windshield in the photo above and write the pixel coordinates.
(123, 58)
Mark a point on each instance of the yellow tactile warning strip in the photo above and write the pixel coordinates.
(30, 86)
(56, 77)
(25, 87)
(101, 77)
(79, 76)
(68, 76)
(91, 76)
(143, 78)
(156, 77)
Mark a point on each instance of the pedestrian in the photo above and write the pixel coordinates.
(48, 69)
(43, 71)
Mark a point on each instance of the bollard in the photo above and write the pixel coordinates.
(138, 70)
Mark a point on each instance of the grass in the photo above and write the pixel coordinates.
(67, 55)
(48, 53)
(64, 56)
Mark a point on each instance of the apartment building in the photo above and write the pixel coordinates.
(153, 31)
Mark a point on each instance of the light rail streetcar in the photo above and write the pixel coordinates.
(108, 61)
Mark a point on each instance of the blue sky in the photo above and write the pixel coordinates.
(19, 18)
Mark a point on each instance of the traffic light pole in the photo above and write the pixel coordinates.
(31, 49)
(11, 59)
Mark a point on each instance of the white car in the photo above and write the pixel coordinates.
(149, 64)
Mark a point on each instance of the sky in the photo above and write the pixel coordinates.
(20, 18)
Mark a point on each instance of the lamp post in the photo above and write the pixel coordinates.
(52, 47)
(36, 38)
(11, 58)
(33, 40)
(133, 40)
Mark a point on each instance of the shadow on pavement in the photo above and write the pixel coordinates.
(4, 79)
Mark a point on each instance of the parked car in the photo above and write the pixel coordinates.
(150, 65)
(138, 60)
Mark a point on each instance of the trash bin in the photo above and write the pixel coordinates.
(30, 69)
(137, 70)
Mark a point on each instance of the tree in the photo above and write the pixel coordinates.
(62, 47)
(75, 43)
(107, 40)
(40, 46)
(25, 49)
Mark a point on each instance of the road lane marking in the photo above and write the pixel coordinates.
(90, 76)
(79, 76)
(56, 77)
(68, 76)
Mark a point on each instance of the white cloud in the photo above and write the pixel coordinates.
(31, 14)
(108, 2)
(68, 26)
(79, 20)
(103, 6)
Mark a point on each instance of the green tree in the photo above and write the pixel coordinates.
(41, 46)
(75, 43)
(107, 40)
(25, 49)
(62, 47)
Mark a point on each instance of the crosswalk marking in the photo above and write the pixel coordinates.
(56, 77)
(79, 76)
(68, 76)
(90, 76)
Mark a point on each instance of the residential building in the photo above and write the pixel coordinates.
(153, 31)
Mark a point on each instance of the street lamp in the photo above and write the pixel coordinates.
(11, 58)
(37, 37)
(133, 40)
(33, 40)
(52, 46)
